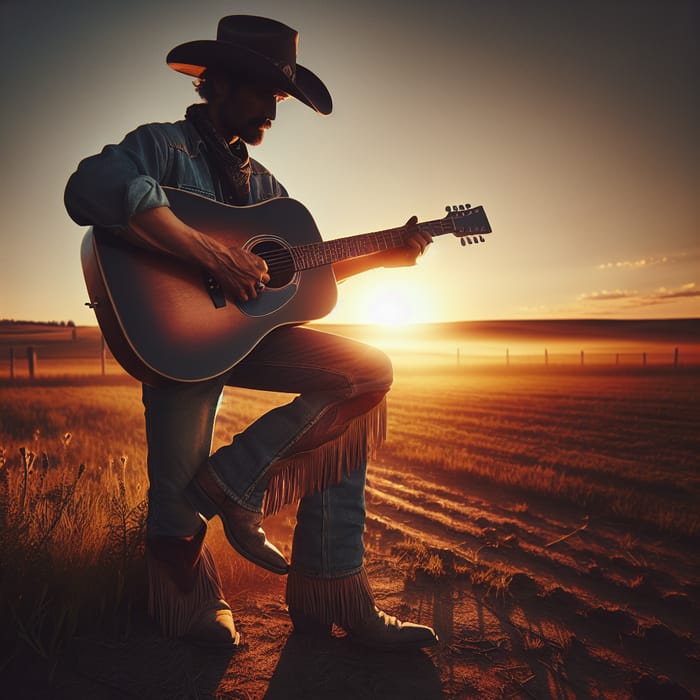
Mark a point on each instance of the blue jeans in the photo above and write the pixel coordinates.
(336, 380)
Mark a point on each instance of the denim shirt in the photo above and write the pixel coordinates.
(124, 179)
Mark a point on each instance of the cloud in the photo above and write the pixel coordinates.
(607, 303)
(661, 295)
(606, 295)
(687, 256)
(638, 264)
(683, 292)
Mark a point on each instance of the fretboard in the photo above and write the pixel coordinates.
(326, 252)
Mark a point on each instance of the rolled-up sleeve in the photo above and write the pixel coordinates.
(124, 179)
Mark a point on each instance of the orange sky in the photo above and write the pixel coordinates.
(574, 124)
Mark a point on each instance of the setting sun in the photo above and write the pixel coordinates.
(391, 305)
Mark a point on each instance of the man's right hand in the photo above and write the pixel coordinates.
(239, 272)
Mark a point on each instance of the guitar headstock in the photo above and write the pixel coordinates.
(468, 223)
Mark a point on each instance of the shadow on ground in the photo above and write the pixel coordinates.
(290, 668)
(312, 669)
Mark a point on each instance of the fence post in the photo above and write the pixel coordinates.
(32, 361)
(12, 363)
(507, 358)
(546, 358)
(675, 359)
(581, 358)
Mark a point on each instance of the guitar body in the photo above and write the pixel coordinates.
(166, 320)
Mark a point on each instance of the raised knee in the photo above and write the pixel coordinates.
(367, 369)
(382, 369)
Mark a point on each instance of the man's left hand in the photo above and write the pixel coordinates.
(416, 243)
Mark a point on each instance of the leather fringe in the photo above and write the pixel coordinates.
(173, 609)
(314, 470)
(341, 601)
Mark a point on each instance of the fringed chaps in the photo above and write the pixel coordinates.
(173, 607)
(342, 601)
(317, 462)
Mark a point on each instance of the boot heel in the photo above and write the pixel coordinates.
(199, 500)
(305, 624)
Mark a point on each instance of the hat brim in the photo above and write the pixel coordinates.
(194, 57)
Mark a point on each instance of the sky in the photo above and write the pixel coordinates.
(575, 125)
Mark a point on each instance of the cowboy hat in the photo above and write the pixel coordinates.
(257, 47)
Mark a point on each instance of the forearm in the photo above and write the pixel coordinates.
(354, 266)
(405, 255)
(237, 271)
(159, 229)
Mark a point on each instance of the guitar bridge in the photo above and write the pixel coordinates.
(217, 295)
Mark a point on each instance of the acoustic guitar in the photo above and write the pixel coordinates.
(165, 320)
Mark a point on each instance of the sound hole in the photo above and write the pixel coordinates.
(280, 265)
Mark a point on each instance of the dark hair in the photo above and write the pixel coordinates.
(204, 85)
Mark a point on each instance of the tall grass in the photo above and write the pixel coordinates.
(71, 536)
(73, 486)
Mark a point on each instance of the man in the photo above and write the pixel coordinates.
(313, 450)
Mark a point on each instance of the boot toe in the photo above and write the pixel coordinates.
(241, 526)
(213, 626)
(386, 632)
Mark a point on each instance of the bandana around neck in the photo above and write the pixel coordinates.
(231, 161)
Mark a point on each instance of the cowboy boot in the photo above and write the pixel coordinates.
(327, 583)
(241, 525)
(316, 604)
(185, 595)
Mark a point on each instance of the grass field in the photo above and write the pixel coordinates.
(555, 490)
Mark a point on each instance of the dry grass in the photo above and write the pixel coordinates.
(72, 515)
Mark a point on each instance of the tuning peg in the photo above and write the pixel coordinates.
(448, 208)
(481, 238)
(463, 242)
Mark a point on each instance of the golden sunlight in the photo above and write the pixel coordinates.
(392, 305)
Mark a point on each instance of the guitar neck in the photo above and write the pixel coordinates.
(327, 252)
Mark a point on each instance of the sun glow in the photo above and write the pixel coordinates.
(392, 306)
